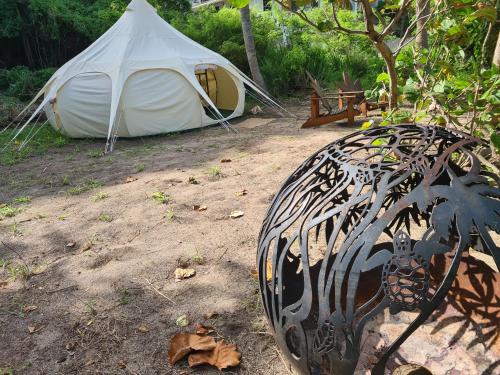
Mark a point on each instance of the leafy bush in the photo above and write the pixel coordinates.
(22, 83)
(286, 45)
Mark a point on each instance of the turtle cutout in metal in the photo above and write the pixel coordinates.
(406, 276)
(354, 231)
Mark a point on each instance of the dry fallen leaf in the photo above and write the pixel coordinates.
(222, 356)
(241, 193)
(256, 110)
(202, 330)
(200, 208)
(34, 329)
(226, 161)
(143, 328)
(269, 272)
(130, 179)
(183, 343)
(183, 273)
(236, 214)
(121, 364)
(210, 315)
(86, 246)
(30, 308)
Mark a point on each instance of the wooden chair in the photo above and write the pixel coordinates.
(332, 113)
(347, 87)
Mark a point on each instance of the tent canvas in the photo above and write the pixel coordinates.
(143, 77)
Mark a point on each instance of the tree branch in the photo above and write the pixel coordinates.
(402, 11)
(341, 28)
(418, 17)
(306, 19)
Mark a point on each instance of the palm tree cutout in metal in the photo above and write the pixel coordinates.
(353, 232)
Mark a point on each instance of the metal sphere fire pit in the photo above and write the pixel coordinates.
(354, 231)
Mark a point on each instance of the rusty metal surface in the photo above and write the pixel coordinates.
(356, 230)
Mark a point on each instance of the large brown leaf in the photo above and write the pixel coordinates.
(183, 343)
(223, 356)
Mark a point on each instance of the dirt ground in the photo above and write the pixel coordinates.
(101, 253)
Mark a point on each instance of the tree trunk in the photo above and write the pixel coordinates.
(246, 26)
(422, 39)
(488, 49)
(390, 63)
(496, 55)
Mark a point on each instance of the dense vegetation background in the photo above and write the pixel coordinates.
(38, 36)
(451, 79)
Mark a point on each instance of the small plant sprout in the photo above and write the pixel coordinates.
(140, 168)
(106, 218)
(89, 307)
(15, 230)
(124, 298)
(18, 271)
(20, 200)
(86, 186)
(95, 154)
(100, 196)
(170, 215)
(160, 197)
(66, 180)
(198, 258)
(8, 211)
(215, 172)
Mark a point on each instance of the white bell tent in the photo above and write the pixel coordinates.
(143, 77)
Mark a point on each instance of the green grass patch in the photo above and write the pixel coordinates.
(95, 154)
(20, 200)
(160, 197)
(45, 139)
(100, 196)
(106, 218)
(85, 186)
(170, 215)
(215, 172)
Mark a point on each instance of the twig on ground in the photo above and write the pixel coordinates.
(160, 293)
(287, 366)
(61, 289)
(18, 255)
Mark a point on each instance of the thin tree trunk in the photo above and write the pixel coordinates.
(488, 49)
(496, 55)
(246, 25)
(422, 39)
(390, 63)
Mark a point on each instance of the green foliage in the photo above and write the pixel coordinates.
(286, 46)
(100, 196)
(22, 83)
(106, 218)
(46, 138)
(43, 33)
(160, 197)
(448, 81)
(87, 185)
(215, 172)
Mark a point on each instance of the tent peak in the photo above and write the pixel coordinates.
(137, 5)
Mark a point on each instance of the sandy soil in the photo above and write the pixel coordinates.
(103, 269)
